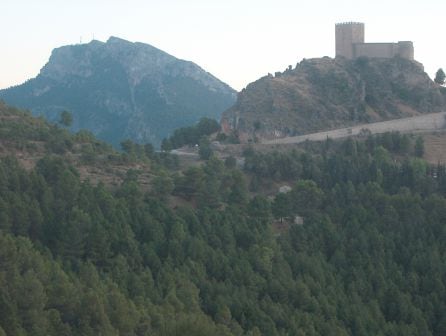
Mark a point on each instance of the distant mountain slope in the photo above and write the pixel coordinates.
(120, 90)
(327, 93)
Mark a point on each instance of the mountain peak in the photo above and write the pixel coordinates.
(114, 39)
(122, 90)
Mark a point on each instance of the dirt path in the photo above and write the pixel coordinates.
(423, 123)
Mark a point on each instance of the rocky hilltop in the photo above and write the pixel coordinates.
(121, 90)
(328, 93)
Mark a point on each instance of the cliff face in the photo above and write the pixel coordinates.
(121, 90)
(329, 93)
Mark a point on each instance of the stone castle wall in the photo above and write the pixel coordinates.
(406, 50)
(383, 50)
(348, 34)
(350, 44)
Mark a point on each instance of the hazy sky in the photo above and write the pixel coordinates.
(236, 40)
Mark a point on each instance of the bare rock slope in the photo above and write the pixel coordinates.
(324, 93)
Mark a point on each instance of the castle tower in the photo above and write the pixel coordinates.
(347, 34)
(406, 50)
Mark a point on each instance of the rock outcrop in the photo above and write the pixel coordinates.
(324, 93)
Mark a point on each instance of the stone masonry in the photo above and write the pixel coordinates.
(350, 44)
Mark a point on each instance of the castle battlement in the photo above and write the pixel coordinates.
(348, 23)
(350, 44)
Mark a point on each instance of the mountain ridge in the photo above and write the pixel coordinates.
(120, 89)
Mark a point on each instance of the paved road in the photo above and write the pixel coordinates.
(426, 122)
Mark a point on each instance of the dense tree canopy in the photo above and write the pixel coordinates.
(198, 254)
(191, 135)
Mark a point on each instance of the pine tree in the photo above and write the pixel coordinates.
(440, 77)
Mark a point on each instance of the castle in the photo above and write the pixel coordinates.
(350, 44)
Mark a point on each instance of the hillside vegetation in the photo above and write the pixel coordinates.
(325, 93)
(29, 139)
(84, 259)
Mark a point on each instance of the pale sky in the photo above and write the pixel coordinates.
(238, 41)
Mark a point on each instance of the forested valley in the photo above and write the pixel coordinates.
(199, 253)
